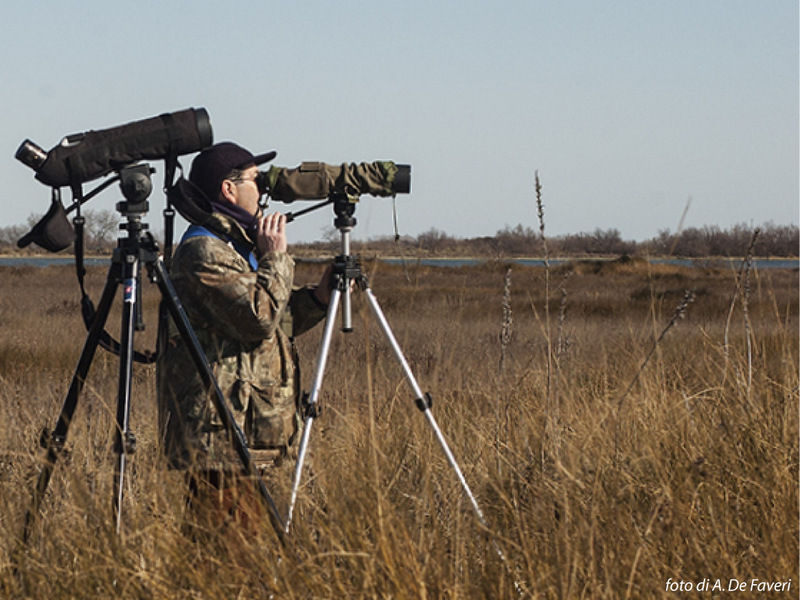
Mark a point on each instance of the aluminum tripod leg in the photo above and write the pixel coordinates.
(420, 397)
(422, 403)
(322, 359)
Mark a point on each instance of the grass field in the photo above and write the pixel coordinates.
(625, 428)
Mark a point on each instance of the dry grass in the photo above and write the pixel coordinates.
(691, 474)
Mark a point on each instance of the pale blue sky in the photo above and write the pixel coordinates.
(627, 108)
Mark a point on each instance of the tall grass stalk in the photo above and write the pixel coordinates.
(741, 292)
(505, 330)
(552, 411)
(678, 314)
(562, 343)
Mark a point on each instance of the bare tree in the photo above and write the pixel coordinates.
(101, 229)
(433, 239)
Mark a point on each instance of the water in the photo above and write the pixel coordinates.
(720, 263)
(47, 261)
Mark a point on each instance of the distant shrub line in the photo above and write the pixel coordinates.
(693, 242)
(519, 241)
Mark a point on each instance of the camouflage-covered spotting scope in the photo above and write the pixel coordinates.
(336, 185)
(316, 180)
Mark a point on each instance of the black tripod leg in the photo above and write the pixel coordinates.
(176, 311)
(122, 445)
(59, 434)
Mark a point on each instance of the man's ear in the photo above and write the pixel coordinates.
(228, 190)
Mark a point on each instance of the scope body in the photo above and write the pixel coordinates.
(317, 180)
(85, 156)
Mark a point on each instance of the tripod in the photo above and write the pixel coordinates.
(136, 249)
(346, 270)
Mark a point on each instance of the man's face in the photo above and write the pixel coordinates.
(245, 191)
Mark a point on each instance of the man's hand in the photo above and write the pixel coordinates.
(271, 234)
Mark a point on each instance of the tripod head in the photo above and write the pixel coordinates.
(346, 268)
(344, 208)
(136, 185)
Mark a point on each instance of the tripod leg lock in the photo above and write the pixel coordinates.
(424, 403)
(128, 444)
(309, 410)
(50, 439)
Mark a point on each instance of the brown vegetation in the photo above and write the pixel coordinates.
(519, 241)
(619, 446)
(774, 241)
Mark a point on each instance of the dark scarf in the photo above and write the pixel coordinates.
(248, 221)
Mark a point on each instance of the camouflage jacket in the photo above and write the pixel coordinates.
(245, 320)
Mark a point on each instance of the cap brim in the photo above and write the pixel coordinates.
(262, 158)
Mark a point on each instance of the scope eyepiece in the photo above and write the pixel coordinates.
(262, 181)
(31, 155)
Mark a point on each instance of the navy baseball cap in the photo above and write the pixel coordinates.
(214, 164)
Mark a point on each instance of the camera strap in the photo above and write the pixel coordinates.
(171, 166)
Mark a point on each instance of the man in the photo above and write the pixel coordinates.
(235, 280)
